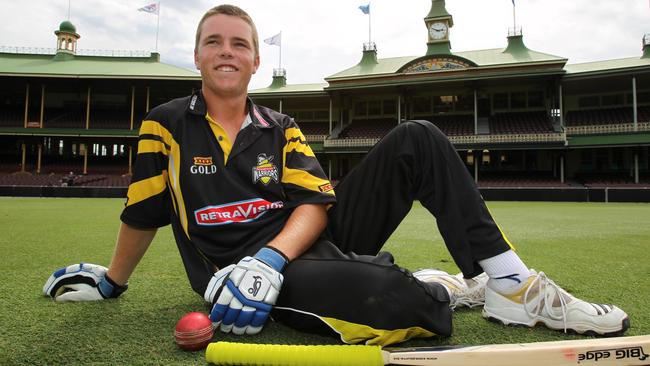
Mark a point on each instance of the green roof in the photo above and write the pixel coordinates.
(483, 58)
(73, 66)
(606, 66)
(67, 26)
(291, 89)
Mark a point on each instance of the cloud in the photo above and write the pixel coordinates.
(325, 37)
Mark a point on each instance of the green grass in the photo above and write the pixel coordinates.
(596, 251)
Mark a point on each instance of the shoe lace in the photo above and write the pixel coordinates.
(550, 291)
(471, 297)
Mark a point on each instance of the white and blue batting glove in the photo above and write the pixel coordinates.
(248, 292)
(81, 282)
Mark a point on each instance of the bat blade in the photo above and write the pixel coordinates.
(620, 351)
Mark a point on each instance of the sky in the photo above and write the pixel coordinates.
(321, 38)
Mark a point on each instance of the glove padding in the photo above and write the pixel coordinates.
(248, 292)
(81, 282)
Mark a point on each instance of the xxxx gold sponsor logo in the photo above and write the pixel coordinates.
(199, 160)
(203, 165)
(326, 187)
(265, 171)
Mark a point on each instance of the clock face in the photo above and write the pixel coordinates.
(438, 30)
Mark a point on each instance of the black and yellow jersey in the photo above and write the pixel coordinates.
(224, 199)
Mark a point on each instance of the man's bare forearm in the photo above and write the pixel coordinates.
(301, 230)
(131, 245)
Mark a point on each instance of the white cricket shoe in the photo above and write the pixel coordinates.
(469, 292)
(543, 301)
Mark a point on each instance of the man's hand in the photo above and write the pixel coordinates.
(248, 292)
(81, 282)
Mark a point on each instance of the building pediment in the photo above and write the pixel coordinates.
(433, 63)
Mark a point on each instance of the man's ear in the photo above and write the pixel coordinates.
(256, 63)
(196, 60)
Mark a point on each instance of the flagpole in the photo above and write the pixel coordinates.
(280, 60)
(157, 25)
(369, 23)
(514, 17)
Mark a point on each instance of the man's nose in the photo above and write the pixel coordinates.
(225, 51)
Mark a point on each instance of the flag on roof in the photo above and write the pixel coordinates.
(151, 8)
(275, 40)
(366, 8)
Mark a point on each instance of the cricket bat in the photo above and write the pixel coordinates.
(619, 351)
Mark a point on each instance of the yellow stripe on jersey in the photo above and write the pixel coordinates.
(296, 142)
(303, 179)
(353, 333)
(150, 127)
(151, 146)
(143, 189)
(221, 136)
(174, 166)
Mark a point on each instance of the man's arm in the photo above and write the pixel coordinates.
(91, 282)
(131, 245)
(248, 290)
(304, 226)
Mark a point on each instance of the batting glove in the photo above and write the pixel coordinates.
(249, 292)
(82, 282)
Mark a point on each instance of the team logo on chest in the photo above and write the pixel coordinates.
(265, 171)
(203, 165)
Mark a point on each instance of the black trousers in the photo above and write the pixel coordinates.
(343, 285)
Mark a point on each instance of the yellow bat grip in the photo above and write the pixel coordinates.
(246, 354)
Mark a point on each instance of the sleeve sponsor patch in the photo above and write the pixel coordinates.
(326, 187)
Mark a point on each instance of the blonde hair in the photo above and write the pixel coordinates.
(234, 11)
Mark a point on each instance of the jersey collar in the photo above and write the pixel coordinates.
(197, 106)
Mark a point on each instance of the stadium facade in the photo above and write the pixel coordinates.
(529, 125)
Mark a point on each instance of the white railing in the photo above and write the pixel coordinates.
(80, 52)
(470, 139)
(514, 32)
(604, 129)
(316, 138)
(350, 143)
(370, 46)
(517, 137)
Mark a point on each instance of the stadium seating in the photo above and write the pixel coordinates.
(368, 129)
(520, 122)
(315, 130)
(12, 117)
(57, 180)
(454, 124)
(110, 119)
(29, 179)
(601, 180)
(590, 117)
(519, 179)
(64, 118)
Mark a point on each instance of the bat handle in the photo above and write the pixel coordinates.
(245, 354)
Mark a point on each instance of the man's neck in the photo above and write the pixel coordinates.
(228, 112)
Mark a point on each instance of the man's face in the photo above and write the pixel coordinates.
(225, 55)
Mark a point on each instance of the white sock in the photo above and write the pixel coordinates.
(507, 272)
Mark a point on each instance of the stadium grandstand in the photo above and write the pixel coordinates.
(528, 125)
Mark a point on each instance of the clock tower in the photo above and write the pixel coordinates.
(438, 22)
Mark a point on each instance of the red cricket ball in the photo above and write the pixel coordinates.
(193, 331)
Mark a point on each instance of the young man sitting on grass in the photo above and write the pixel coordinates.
(260, 229)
